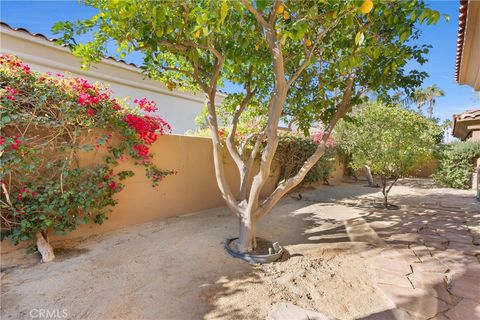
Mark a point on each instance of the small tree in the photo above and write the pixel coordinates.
(270, 49)
(389, 139)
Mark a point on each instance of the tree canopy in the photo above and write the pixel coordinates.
(389, 139)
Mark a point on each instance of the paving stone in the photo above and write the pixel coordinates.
(440, 317)
(399, 266)
(396, 251)
(462, 237)
(421, 252)
(432, 265)
(393, 278)
(468, 249)
(407, 237)
(418, 302)
(434, 284)
(428, 231)
(288, 311)
(435, 245)
(465, 310)
(466, 287)
(425, 280)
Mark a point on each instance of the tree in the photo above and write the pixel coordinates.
(447, 129)
(419, 97)
(389, 139)
(431, 94)
(304, 59)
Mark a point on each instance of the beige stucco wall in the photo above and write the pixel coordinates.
(176, 107)
(194, 188)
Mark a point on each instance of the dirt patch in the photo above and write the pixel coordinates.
(338, 285)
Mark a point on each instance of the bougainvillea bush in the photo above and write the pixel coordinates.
(49, 120)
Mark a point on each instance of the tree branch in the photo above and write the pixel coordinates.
(257, 13)
(292, 182)
(273, 12)
(309, 55)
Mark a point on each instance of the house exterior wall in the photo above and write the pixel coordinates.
(177, 108)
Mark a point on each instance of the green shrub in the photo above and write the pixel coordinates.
(292, 152)
(456, 164)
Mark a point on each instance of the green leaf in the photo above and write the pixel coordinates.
(404, 36)
(359, 38)
(223, 11)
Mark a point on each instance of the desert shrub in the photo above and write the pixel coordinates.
(294, 149)
(47, 122)
(457, 163)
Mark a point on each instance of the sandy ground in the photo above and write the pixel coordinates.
(177, 268)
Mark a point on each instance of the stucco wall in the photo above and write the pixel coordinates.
(194, 188)
(176, 107)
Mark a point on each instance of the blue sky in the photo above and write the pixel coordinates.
(39, 16)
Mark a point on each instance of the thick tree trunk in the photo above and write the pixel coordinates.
(44, 248)
(247, 241)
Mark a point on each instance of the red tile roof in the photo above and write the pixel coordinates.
(462, 22)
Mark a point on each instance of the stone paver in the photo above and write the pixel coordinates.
(465, 310)
(444, 276)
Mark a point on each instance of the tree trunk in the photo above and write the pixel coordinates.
(385, 192)
(44, 248)
(368, 174)
(247, 241)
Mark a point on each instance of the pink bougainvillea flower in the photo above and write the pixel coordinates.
(16, 144)
(318, 136)
(141, 150)
(11, 93)
(26, 69)
(144, 104)
(91, 112)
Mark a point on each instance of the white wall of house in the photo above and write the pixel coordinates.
(176, 107)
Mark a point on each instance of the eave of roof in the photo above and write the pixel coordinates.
(53, 40)
(462, 22)
(460, 119)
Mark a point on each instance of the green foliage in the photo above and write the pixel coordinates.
(49, 124)
(292, 152)
(457, 163)
(181, 43)
(389, 139)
